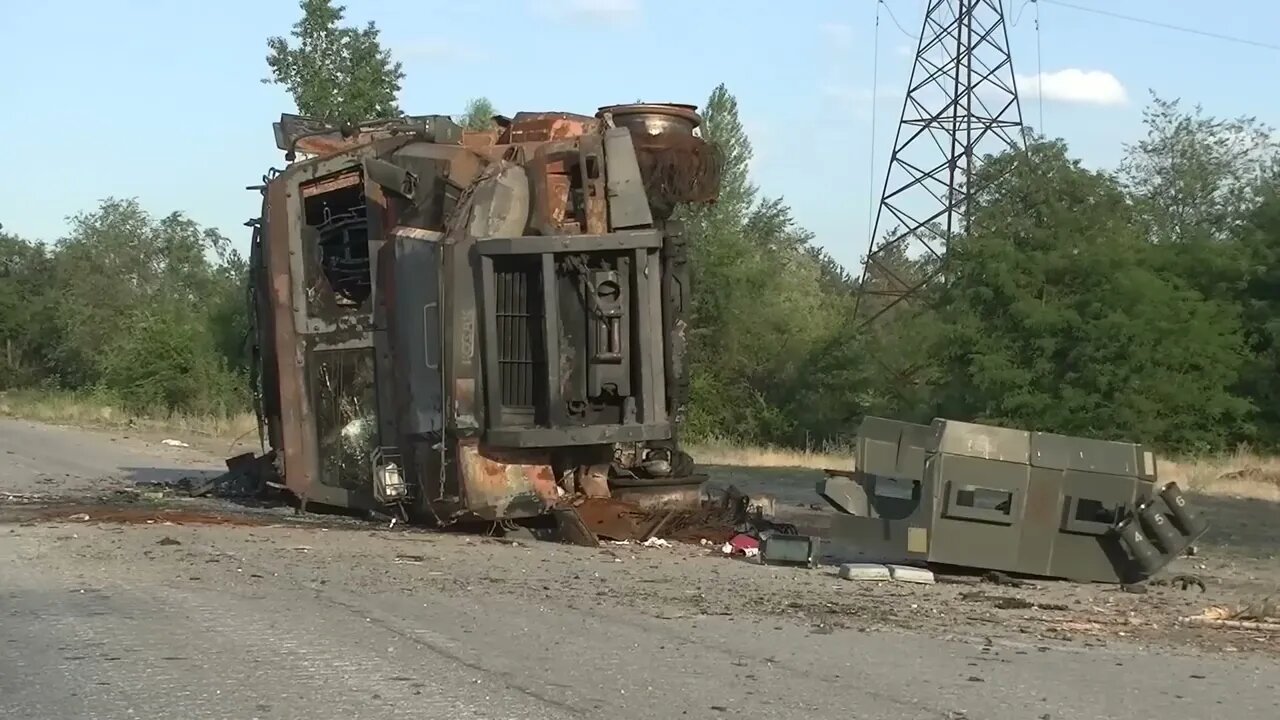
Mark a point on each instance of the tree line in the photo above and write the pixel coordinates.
(1138, 304)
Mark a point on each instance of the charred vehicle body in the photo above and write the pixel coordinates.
(476, 325)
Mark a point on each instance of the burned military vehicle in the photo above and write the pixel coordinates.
(995, 498)
(476, 325)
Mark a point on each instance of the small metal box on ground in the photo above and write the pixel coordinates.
(799, 550)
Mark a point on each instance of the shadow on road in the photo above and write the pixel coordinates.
(179, 483)
(1246, 526)
(167, 477)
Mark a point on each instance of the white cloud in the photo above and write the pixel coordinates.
(1072, 85)
(609, 12)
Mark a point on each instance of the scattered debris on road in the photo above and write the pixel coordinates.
(1261, 617)
(141, 515)
(1008, 602)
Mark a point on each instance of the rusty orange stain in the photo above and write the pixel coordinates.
(507, 482)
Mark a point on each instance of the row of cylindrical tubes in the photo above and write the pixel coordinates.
(1153, 537)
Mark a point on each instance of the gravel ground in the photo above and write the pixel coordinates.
(278, 616)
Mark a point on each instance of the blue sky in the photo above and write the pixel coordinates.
(162, 100)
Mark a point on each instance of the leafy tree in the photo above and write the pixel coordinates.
(1205, 188)
(1197, 176)
(758, 300)
(479, 114)
(168, 360)
(1055, 319)
(24, 296)
(1194, 179)
(1259, 238)
(128, 287)
(336, 73)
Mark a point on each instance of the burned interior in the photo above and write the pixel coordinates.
(335, 219)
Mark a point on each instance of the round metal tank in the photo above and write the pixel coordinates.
(654, 118)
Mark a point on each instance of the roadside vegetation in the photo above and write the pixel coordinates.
(1136, 304)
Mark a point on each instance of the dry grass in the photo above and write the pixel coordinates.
(1241, 474)
(63, 408)
(733, 455)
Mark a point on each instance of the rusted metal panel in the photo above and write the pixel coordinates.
(297, 426)
(505, 483)
(550, 183)
(661, 497)
(480, 138)
(544, 127)
(594, 198)
(331, 183)
(557, 202)
(610, 519)
(333, 143)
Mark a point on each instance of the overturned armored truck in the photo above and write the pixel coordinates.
(475, 325)
(995, 498)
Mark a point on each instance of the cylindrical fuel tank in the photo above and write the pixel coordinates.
(654, 118)
(1188, 521)
(1159, 528)
(676, 164)
(1144, 552)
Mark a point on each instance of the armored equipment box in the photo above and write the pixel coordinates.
(996, 498)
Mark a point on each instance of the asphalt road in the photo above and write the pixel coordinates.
(44, 459)
(155, 621)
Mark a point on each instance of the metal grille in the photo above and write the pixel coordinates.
(518, 311)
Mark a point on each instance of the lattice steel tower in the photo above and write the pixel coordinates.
(961, 102)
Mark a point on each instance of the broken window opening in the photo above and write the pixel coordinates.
(341, 219)
(1088, 510)
(985, 499)
(346, 418)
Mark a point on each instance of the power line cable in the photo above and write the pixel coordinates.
(894, 18)
(1021, 10)
(1039, 71)
(871, 163)
(1167, 26)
